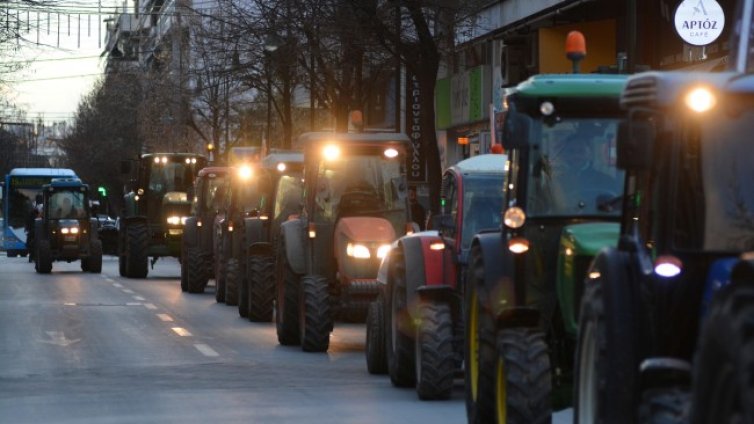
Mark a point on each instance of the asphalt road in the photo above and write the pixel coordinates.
(90, 348)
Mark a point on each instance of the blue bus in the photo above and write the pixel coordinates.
(20, 190)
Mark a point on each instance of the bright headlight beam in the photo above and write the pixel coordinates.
(383, 250)
(331, 152)
(390, 153)
(700, 99)
(244, 172)
(358, 251)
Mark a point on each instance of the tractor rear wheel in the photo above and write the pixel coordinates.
(479, 351)
(137, 243)
(260, 280)
(399, 328)
(184, 269)
(523, 383)
(286, 302)
(85, 264)
(723, 388)
(44, 257)
(196, 270)
(220, 277)
(375, 344)
(435, 358)
(667, 405)
(94, 262)
(232, 281)
(316, 320)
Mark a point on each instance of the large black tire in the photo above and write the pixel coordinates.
(316, 319)
(435, 358)
(122, 265)
(197, 270)
(479, 347)
(85, 264)
(375, 343)
(399, 327)
(44, 257)
(606, 373)
(137, 243)
(260, 280)
(184, 269)
(286, 301)
(723, 390)
(220, 276)
(666, 406)
(94, 262)
(232, 281)
(523, 383)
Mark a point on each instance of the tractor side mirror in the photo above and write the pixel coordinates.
(126, 167)
(515, 131)
(634, 144)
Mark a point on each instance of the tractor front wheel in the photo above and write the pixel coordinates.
(197, 270)
(44, 257)
(723, 387)
(184, 270)
(286, 302)
(316, 320)
(260, 280)
(137, 243)
(435, 358)
(375, 343)
(523, 383)
(220, 277)
(232, 281)
(399, 327)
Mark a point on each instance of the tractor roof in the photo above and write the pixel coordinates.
(47, 172)
(482, 164)
(173, 155)
(313, 138)
(665, 89)
(68, 182)
(214, 170)
(572, 85)
(277, 157)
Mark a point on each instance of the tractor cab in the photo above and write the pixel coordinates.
(66, 229)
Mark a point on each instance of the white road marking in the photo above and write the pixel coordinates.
(165, 317)
(69, 304)
(150, 306)
(117, 285)
(59, 339)
(109, 280)
(205, 350)
(139, 298)
(181, 332)
(133, 304)
(129, 291)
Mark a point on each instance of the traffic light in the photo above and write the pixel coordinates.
(102, 190)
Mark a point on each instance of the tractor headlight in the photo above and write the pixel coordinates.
(244, 172)
(177, 220)
(358, 251)
(331, 152)
(514, 217)
(69, 230)
(383, 250)
(700, 99)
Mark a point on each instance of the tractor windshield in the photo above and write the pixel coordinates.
(362, 185)
(67, 204)
(571, 168)
(714, 200)
(482, 205)
(168, 174)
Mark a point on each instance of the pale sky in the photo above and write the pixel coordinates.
(62, 69)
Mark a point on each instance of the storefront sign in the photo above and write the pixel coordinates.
(415, 162)
(699, 22)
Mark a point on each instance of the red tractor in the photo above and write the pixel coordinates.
(355, 205)
(415, 328)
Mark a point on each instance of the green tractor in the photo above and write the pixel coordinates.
(355, 206)
(67, 228)
(197, 259)
(156, 208)
(667, 315)
(523, 280)
(256, 232)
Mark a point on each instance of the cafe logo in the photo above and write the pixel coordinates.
(699, 22)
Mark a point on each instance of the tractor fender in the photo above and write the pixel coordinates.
(497, 292)
(256, 235)
(292, 233)
(190, 233)
(414, 266)
(427, 268)
(437, 293)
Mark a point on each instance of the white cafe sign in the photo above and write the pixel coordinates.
(699, 22)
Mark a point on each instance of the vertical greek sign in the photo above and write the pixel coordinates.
(699, 22)
(415, 160)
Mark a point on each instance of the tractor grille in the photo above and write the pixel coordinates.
(639, 92)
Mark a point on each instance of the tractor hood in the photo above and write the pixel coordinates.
(588, 239)
(366, 229)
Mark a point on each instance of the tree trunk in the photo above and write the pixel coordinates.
(427, 78)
